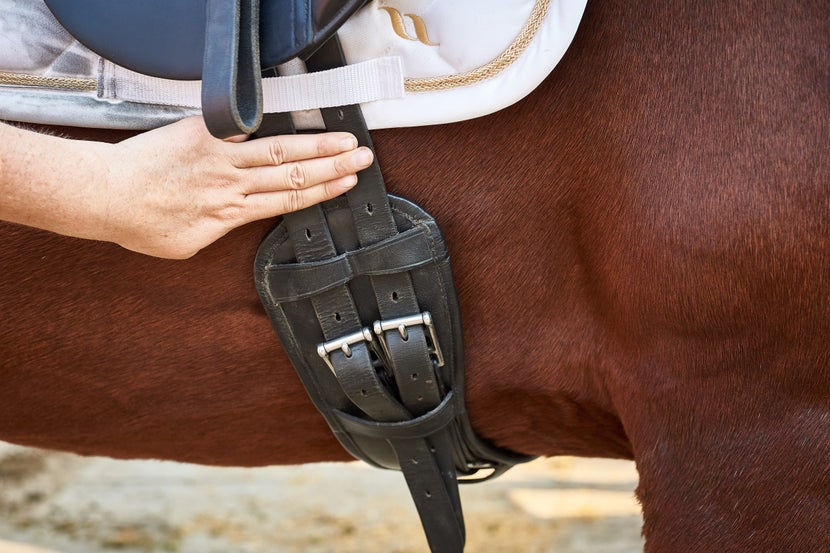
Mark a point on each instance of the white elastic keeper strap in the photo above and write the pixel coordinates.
(368, 81)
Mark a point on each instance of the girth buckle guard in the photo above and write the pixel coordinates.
(361, 294)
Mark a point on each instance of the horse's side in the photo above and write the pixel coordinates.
(642, 254)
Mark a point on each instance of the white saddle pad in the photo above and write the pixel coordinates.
(410, 62)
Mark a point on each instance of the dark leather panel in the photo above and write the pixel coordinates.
(166, 38)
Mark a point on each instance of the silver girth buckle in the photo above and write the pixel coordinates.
(344, 344)
(380, 328)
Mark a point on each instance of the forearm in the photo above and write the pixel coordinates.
(53, 183)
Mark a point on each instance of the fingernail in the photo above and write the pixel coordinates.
(350, 181)
(348, 143)
(363, 157)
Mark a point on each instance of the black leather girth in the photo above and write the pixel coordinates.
(360, 291)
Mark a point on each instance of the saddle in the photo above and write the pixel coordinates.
(225, 43)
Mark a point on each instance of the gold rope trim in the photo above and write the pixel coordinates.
(493, 68)
(62, 83)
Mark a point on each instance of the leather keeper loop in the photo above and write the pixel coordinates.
(403, 252)
(420, 427)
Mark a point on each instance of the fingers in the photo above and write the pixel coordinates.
(303, 174)
(271, 204)
(286, 173)
(276, 150)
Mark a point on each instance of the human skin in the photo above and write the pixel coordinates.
(171, 191)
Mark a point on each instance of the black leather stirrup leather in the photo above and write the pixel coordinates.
(360, 291)
(226, 43)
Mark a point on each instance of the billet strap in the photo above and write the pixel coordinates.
(360, 291)
(231, 74)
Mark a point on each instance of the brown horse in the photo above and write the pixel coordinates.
(642, 250)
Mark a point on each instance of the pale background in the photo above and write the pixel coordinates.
(94, 505)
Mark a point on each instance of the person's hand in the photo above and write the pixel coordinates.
(174, 190)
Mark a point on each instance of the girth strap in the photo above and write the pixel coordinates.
(361, 294)
(427, 465)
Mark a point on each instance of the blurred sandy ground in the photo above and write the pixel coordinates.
(69, 504)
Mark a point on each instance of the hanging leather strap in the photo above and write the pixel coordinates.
(231, 74)
(427, 463)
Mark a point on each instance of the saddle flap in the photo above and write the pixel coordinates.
(166, 38)
(226, 43)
